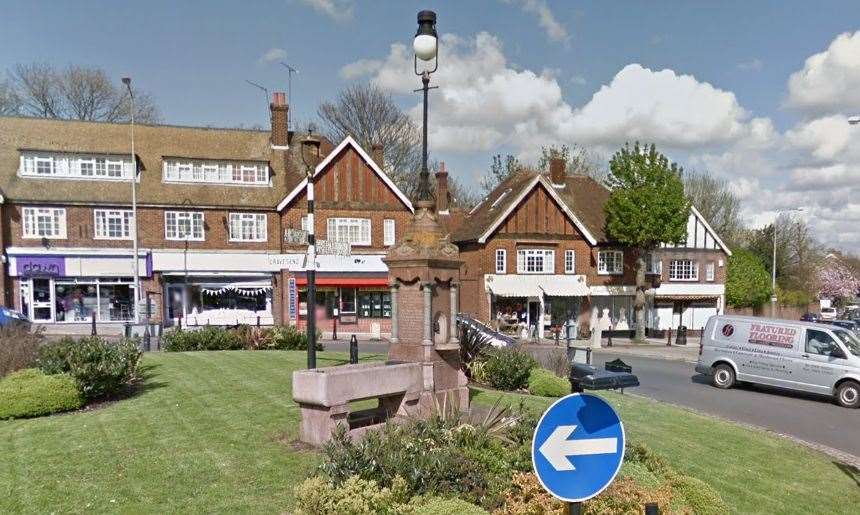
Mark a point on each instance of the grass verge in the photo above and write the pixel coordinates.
(207, 433)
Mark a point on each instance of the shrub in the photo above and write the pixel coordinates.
(527, 496)
(544, 383)
(508, 368)
(255, 338)
(31, 393)
(316, 495)
(19, 348)
(99, 367)
(290, 338)
(698, 496)
(440, 506)
(625, 495)
(207, 338)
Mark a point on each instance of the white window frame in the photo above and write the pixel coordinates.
(683, 270)
(361, 226)
(569, 261)
(72, 166)
(710, 271)
(617, 262)
(193, 217)
(215, 172)
(501, 261)
(388, 232)
(256, 225)
(527, 261)
(653, 264)
(30, 217)
(101, 229)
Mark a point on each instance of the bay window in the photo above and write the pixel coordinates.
(535, 261)
(355, 231)
(183, 225)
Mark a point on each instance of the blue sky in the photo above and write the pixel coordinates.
(513, 74)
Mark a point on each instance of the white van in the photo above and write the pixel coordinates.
(803, 356)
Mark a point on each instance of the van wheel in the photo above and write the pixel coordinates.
(848, 395)
(724, 376)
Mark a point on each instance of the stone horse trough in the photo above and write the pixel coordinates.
(324, 396)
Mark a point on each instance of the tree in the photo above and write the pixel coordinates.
(75, 93)
(837, 281)
(371, 116)
(500, 169)
(578, 161)
(798, 255)
(747, 280)
(646, 207)
(718, 203)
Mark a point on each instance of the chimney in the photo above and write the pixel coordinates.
(556, 171)
(377, 153)
(442, 190)
(280, 121)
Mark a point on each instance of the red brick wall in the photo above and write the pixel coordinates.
(702, 257)
(292, 218)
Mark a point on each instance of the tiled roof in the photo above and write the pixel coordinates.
(153, 143)
(582, 195)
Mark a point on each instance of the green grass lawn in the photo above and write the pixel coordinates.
(211, 432)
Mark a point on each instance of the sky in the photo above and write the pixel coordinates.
(755, 93)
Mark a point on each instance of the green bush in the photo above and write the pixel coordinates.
(544, 383)
(31, 393)
(508, 368)
(290, 338)
(19, 348)
(207, 338)
(318, 496)
(440, 506)
(100, 368)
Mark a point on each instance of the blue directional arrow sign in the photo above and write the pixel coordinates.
(578, 447)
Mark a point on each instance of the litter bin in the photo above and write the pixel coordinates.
(681, 339)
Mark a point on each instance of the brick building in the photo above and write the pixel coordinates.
(214, 209)
(536, 255)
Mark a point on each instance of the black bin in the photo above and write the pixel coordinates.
(681, 339)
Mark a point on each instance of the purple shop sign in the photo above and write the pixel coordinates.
(34, 266)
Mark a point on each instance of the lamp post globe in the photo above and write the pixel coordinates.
(424, 43)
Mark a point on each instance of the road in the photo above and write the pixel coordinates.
(807, 417)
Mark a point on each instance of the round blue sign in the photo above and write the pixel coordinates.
(578, 447)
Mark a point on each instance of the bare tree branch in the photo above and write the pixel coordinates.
(10, 104)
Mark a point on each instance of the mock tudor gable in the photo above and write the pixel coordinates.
(349, 178)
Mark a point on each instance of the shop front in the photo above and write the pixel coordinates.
(690, 305)
(527, 306)
(72, 286)
(612, 309)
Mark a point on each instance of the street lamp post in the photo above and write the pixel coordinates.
(773, 298)
(425, 46)
(309, 145)
(135, 258)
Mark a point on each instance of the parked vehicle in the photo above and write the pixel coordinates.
(810, 317)
(844, 323)
(804, 356)
(828, 313)
(12, 318)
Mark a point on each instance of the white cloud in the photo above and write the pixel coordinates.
(360, 68)
(555, 31)
(830, 80)
(826, 138)
(273, 54)
(337, 10)
(753, 65)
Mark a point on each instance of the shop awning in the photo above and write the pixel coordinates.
(345, 280)
(686, 297)
(513, 286)
(564, 286)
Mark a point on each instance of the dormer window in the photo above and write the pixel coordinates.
(75, 166)
(216, 172)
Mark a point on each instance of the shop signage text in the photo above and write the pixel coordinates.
(44, 266)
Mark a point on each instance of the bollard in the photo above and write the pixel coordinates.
(93, 332)
(258, 320)
(609, 340)
(353, 350)
(669, 338)
(180, 322)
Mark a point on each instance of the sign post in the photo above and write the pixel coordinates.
(578, 448)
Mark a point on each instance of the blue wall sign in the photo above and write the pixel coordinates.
(578, 447)
(292, 298)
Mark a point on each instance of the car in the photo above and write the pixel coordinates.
(810, 317)
(846, 324)
(816, 358)
(828, 313)
(12, 318)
